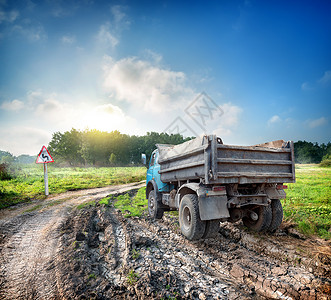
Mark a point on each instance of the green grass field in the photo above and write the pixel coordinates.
(29, 181)
(308, 201)
(130, 206)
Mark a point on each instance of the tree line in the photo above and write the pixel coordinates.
(99, 148)
(311, 153)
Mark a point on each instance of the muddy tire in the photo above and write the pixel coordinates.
(212, 228)
(277, 215)
(154, 206)
(263, 222)
(190, 223)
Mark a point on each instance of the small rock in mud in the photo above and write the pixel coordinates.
(80, 236)
(93, 241)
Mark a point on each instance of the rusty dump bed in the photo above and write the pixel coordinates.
(208, 159)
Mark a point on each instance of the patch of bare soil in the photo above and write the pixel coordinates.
(95, 253)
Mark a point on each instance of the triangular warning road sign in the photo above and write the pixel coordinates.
(44, 157)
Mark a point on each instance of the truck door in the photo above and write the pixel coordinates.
(150, 169)
(153, 173)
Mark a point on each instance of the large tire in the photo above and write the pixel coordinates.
(190, 223)
(212, 228)
(277, 215)
(154, 206)
(264, 218)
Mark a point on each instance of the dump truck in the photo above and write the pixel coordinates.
(210, 182)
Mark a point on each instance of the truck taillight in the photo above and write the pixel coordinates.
(281, 187)
(219, 188)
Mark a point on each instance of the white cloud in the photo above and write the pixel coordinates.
(35, 97)
(105, 37)
(317, 122)
(306, 86)
(231, 114)
(150, 55)
(225, 124)
(274, 119)
(59, 111)
(10, 16)
(326, 78)
(121, 20)
(14, 105)
(52, 109)
(109, 109)
(109, 33)
(107, 117)
(145, 85)
(31, 32)
(161, 96)
(68, 39)
(23, 140)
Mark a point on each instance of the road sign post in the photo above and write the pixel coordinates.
(45, 158)
(46, 180)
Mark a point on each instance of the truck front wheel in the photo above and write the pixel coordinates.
(190, 223)
(154, 208)
(258, 218)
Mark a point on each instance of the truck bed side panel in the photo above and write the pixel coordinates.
(214, 163)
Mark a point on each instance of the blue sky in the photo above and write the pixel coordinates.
(264, 68)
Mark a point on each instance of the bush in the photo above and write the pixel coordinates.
(326, 161)
(4, 172)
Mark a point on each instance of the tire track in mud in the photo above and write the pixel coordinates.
(169, 266)
(29, 246)
(188, 261)
(28, 257)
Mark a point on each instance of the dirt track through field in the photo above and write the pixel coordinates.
(59, 252)
(31, 244)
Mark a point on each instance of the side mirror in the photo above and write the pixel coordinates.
(143, 158)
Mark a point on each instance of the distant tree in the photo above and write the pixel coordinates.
(66, 146)
(326, 161)
(26, 159)
(112, 159)
(6, 157)
(307, 152)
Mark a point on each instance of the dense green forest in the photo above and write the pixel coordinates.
(99, 148)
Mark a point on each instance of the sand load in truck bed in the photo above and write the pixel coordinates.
(207, 159)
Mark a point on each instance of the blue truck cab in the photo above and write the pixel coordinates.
(154, 175)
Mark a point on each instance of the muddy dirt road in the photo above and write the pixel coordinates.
(60, 252)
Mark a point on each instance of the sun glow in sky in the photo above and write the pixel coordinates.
(138, 66)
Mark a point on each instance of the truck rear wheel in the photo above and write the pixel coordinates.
(277, 215)
(212, 228)
(154, 208)
(258, 218)
(190, 223)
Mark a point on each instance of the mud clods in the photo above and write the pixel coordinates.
(138, 258)
(96, 253)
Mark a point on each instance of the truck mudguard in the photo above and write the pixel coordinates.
(210, 207)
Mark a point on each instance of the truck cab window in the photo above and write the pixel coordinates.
(153, 159)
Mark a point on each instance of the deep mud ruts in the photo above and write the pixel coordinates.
(95, 253)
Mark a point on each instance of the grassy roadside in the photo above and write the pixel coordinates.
(29, 181)
(130, 206)
(308, 201)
